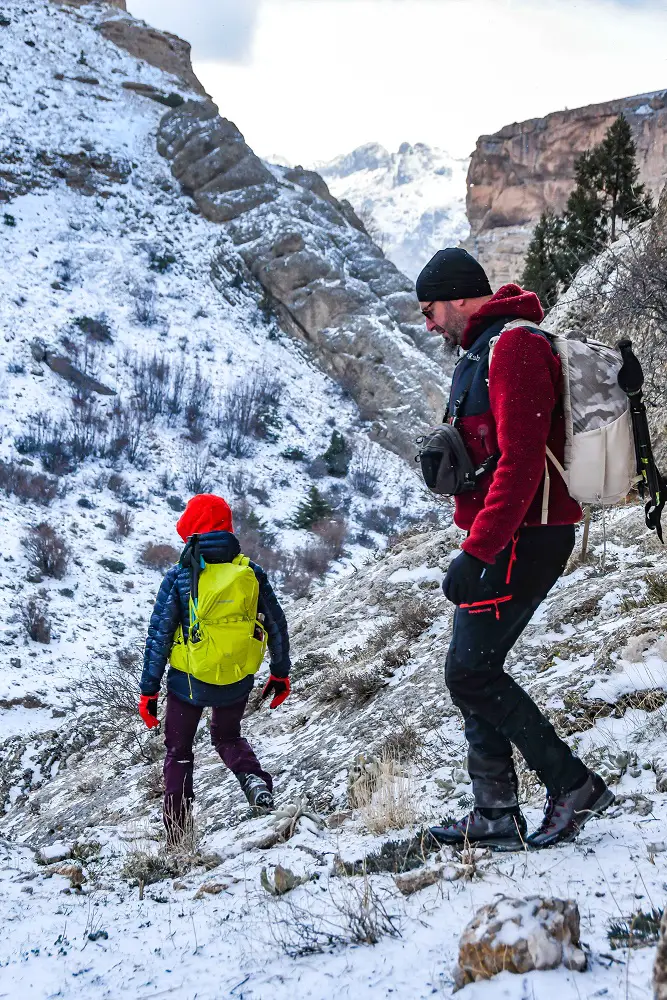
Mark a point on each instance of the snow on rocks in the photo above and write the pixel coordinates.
(520, 935)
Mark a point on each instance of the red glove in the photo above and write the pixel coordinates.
(148, 710)
(279, 687)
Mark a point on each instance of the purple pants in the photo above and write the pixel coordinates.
(179, 734)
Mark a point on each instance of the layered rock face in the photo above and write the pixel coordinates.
(528, 167)
(322, 276)
(158, 48)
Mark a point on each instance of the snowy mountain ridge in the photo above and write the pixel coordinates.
(413, 199)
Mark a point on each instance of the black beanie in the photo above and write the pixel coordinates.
(452, 274)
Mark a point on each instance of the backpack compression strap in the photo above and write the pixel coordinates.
(191, 558)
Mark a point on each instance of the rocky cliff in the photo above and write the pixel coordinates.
(528, 167)
(323, 277)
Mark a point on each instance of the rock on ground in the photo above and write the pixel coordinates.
(520, 935)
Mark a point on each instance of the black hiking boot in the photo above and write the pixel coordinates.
(565, 815)
(257, 792)
(505, 832)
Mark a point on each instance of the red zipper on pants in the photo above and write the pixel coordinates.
(510, 565)
(479, 606)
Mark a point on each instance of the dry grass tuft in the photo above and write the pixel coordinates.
(386, 796)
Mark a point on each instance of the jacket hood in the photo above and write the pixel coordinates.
(219, 546)
(510, 301)
(204, 512)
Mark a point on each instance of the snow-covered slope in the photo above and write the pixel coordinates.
(412, 201)
(102, 233)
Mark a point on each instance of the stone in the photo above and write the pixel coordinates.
(528, 167)
(284, 880)
(417, 880)
(158, 48)
(660, 966)
(520, 935)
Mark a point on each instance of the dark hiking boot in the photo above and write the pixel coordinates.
(505, 832)
(256, 791)
(565, 815)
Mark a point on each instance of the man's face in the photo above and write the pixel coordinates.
(445, 319)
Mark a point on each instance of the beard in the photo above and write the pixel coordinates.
(452, 331)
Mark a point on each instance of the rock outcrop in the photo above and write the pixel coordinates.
(158, 48)
(520, 935)
(321, 274)
(528, 167)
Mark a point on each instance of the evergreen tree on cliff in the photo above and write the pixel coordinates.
(543, 271)
(607, 192)
(618, 177)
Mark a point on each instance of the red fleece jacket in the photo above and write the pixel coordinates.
(525, 416)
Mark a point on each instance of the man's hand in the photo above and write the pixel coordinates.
(461, 583)
(148, 710)
(279, 687)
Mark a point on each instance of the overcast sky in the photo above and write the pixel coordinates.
(308, 79)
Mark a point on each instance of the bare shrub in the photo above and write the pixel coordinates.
(414, 616)
(249, 409)
(117, 484)
(153, 782)
(367, 470)
(142, 867)
(353, 685)
(86, 429)
(123, 520)
(360, 917)
(48, 551)
(27, 486)
(404, 743)
(145, 304)
(112, 687)
(395, 657)
(128, 433)
(97, 328)
(383, 520)
(160, 557)
(331, 533)
(197, 463)
(197, 405)
(34, 615)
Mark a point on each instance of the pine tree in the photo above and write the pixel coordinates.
(584, 229)
(311, 510)
(338, 455)
(544, 269)
(618, 177)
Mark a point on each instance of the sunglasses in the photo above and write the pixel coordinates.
(428, 310)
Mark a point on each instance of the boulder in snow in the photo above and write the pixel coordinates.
(520, 935)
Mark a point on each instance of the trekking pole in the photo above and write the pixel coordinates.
(631, 380)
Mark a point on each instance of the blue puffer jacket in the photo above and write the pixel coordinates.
(171, 610)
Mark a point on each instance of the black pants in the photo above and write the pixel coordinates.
(496, 711)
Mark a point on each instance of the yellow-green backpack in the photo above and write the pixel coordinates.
(226, 642)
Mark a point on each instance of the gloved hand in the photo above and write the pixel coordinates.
(148, 710)
(461, 583)
(279, 687)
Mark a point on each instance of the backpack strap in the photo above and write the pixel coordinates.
(192, 559)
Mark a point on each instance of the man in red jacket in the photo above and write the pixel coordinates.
(520, 534)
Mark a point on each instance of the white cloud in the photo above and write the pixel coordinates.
(216, 29)
(319, 77)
